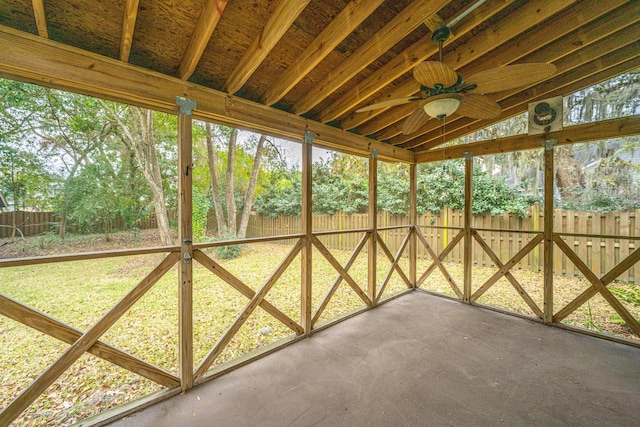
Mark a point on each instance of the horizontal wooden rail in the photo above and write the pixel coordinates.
(16, 262)
(441, 227)
(334, 232)
(598, 236)
(394, 227)
(507, 230)
(246, 241)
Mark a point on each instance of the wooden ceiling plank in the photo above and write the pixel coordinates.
(405, 61)
(434, 21)
(589, 52)
(506, 32)
(41, 18)
(614, 128)
(200, 38)
(338, 29)
(128, 27)
(283, 17)
(591, 73)
(30, 58)
(591, 33)
(398, 28)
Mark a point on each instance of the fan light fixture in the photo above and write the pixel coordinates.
(441, 108)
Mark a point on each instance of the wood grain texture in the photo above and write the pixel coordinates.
(284, 15)
(200, 38)
(41, 18)
(128, 27)
(340, 27)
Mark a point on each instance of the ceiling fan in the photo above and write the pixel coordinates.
(443, 91)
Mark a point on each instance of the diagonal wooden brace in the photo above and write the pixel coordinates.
(438, 263)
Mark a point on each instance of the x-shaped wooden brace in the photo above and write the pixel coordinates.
(598, 285)
(504, 269)
(343, 273)
(437, 261)
(256, 300)
(85, 342)
(394, 263)
(525, 296)
(339, 279)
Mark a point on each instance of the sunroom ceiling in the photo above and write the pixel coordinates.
(323, 60)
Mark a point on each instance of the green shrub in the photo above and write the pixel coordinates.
(229, 251)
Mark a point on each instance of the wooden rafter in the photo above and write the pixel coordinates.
(286, 12)
(128, 27)
(404, 62)
(398, 28)
(514, 24)
(620, 127)
(337, 30)
(200, 38)
(427, 154)
(26, 57)
(41, 18)
(578, 49)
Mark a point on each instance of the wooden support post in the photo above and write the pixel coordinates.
(413, 220)
(185, 237)
(468, 242)
(549, 172)
(372, 249)
(307, 230)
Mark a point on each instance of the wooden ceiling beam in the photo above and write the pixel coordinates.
(283, 17)
(507, 33)
(393, 32)
(615, 43)
(41, 18)
(344, 24)
(590, 33)
(405, 61)
(587, 75)
(200, 38)
(434, 21)
(614, 128)
(128, 27)
(29, 58)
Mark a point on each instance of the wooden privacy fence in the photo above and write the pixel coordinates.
(505, 234)
(34, 223)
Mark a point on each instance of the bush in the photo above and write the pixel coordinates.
(229, 251)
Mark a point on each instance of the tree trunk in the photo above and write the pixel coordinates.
(231, 201)
(139, 138)
(215, 186)
(248, 200)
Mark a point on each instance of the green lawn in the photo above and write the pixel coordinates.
(80, 292)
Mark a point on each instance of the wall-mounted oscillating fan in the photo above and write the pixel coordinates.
(545, 115)
(443, 91)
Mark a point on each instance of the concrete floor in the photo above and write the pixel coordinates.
(422, 360)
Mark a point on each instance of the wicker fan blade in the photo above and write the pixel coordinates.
(430, 73)
(388, 103)
(415, 121)
(510, 77)
(476, 106)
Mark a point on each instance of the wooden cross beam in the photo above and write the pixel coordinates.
(394, 265)
(441, 257)
(438, 262)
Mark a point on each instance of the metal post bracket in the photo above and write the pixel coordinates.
(186, 105)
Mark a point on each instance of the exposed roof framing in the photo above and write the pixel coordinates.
(286, 66)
